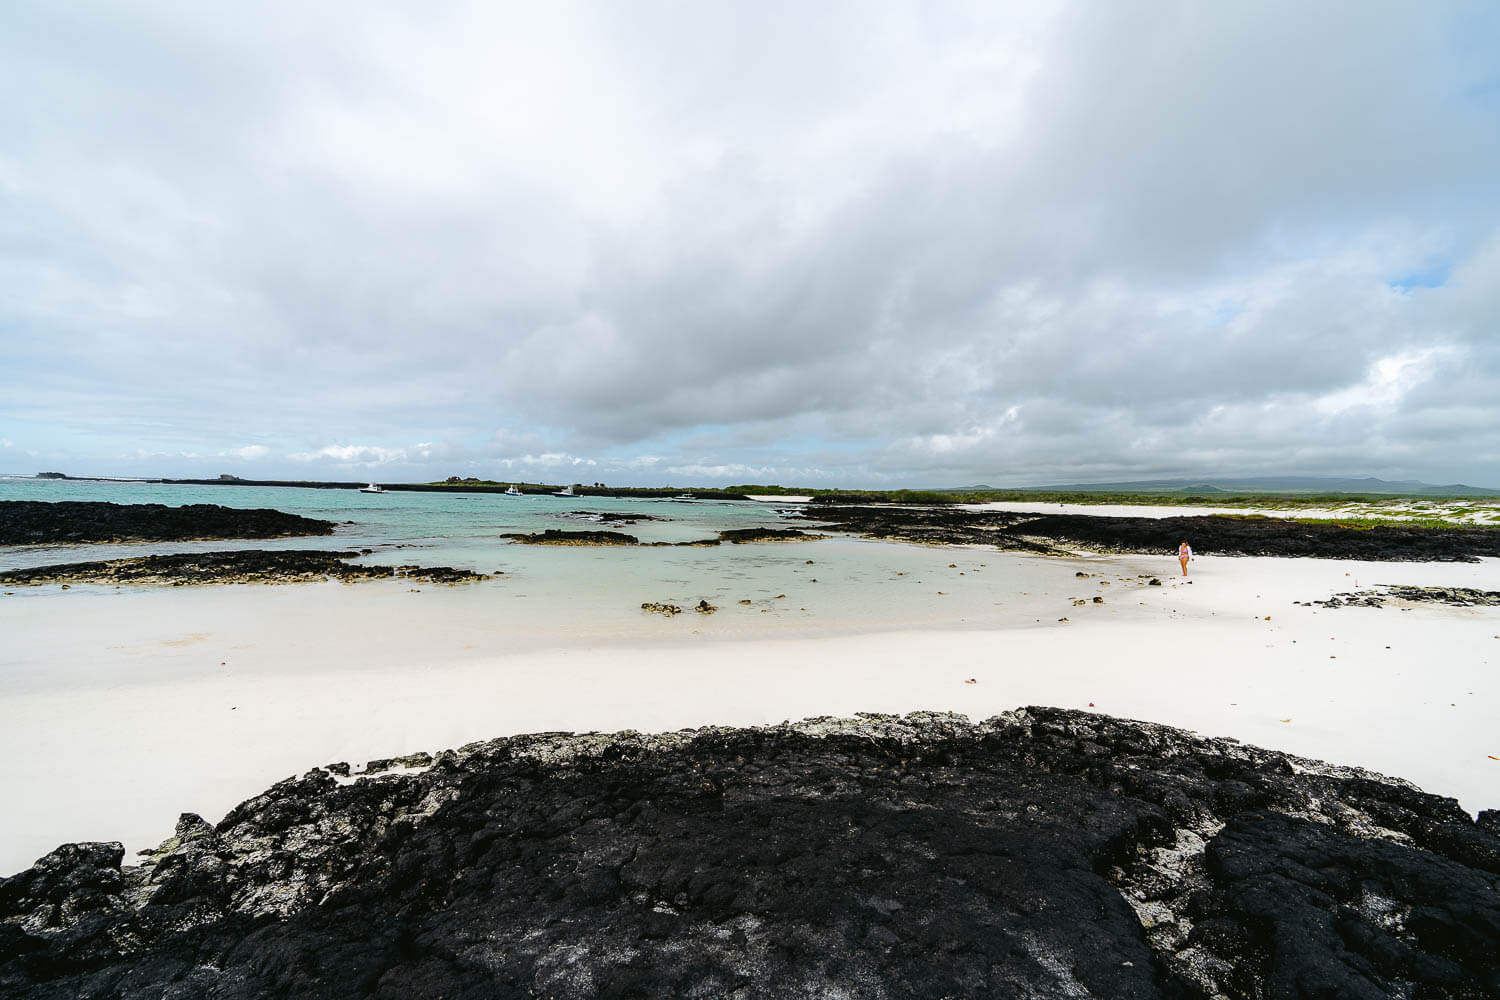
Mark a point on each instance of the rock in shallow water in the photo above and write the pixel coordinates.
(234, 566)
(1043, 853)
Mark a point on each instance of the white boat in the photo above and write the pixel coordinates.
(566, 491)
(372, 488)
(684, 496)
(513, 492)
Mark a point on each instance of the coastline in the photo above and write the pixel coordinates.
(119, 734)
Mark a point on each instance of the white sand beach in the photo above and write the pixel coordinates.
(123, 709)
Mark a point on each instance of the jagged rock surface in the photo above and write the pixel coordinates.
(1043, 853)
(1458, 597)
(1209, 535)
(66, 522)
(739, 536)
(235, 566)
(554, 536)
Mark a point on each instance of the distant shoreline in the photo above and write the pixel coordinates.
(527, 489)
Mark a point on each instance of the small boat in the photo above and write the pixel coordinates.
(513, 492)
(372, 488)
(684, 496)
(566, 491)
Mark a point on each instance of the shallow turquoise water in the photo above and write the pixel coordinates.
(833, 584)
(457, 529)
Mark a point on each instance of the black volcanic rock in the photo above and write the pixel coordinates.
(31, 522)
(1043, 853)
(1267, 536)
(1209, 535)
(553, 536)
(739, 536)
(238, 566)
(1459, 597)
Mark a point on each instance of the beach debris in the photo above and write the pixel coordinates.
(808, 563)
(1062, 619)
(660, 608)
(813, 580)
(953, 565)
(1153, 582)
(704, 608)
(779, 596)
(1091, 704)
(1286, 720)
(1081, 573)
(1079, 602)
(972, 680)
(1098, 600)
(745, 600)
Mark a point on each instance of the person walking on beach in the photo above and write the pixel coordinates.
(1184, 553)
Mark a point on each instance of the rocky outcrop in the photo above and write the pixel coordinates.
(1209, 535)
(932, 525)
(246, 566)
(34, 522)
(553, 536)
(1042, 853)
(1459, 597)
(739, 536)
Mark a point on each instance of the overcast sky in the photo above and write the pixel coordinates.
(694, 243)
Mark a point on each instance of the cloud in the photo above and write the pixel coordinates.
(551, 460)
(249, 452)
(908, 243)
(352, 454)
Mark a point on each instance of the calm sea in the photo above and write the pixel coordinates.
(834, 584)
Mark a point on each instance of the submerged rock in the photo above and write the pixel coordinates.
(1042, 853)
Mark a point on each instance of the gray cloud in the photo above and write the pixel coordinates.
(862, 243)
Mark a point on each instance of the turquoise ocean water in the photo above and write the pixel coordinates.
(834, 584)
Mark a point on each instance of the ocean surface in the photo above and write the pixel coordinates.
(544, 595)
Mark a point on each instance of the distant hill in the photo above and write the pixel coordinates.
(1263, 484)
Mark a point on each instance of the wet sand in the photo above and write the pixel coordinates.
(125, 708)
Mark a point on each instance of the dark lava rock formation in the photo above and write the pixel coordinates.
(553, 536)
(933, 525)
(1042, 853)
(32, 522)
(1459, 597)
(1209, 535)
(739, 536)
(245, 566)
